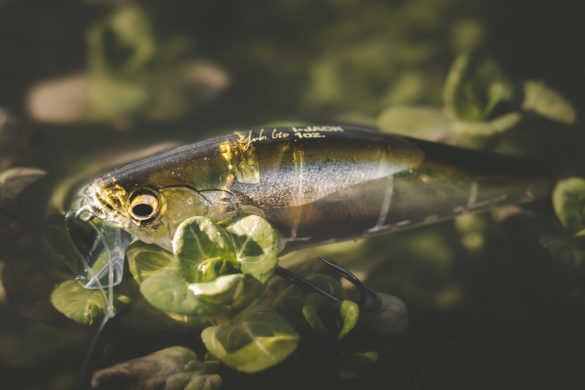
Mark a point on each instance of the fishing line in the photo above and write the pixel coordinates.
(108, 299)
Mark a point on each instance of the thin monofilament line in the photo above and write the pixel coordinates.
(108, 298)
(90, 350)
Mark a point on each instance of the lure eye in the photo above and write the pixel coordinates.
(143, 205)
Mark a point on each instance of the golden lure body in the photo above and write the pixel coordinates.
(314, 184)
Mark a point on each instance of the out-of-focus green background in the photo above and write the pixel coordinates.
(495, 301)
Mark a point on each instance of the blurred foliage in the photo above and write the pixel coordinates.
(569, 203)
(495, 300)
(173, 368)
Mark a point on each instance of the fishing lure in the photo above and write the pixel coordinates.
(314, 184)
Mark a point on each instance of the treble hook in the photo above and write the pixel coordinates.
(363, 290)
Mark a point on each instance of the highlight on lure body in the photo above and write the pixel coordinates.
(314, 184)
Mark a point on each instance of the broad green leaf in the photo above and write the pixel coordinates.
(329, 284)
(212, 268)
(77, 303)
(173, 368)
(321, 321)
(349, 312)
(221, 290)
(219, 286)
(122, 44)
(83, 305)
(420, 122)
(111, 97)
(146, 260)
(198, 239)
(545, 101)
(290, 302)
(14, 180)
(259, 339)
(168, 291)
(250, 289)
(256, 245)
(483, 129)
(235, 290)
(330, 321)
(477, 89)
(569, 203)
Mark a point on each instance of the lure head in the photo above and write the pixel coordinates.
(149, 212)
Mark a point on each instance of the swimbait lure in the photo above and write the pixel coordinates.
(314, 184)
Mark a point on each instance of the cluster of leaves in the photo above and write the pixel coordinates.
(214, 271)
(213, 275)
(481, 101)
(132, 73)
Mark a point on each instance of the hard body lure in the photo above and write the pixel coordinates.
(314, 184)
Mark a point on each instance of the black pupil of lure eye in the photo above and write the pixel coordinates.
(142, 210)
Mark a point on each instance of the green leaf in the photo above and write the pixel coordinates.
(569, 203)
(122, 44)
(168, 291)
(259, 339)
(210, 280)
(198, 239)
(350, 313)
(482, 129)
(218, 287)
(221, 290)
(235, 290)
(420, 122)
(256, 246)
(79, 304)
(110, 97)
(329, 284)
(545, 101)
(14, 180)
(290, 302)
(313, 311)
(173, 368)
(477, 89)
(330, 321)
(145, 260)
(87, 306)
